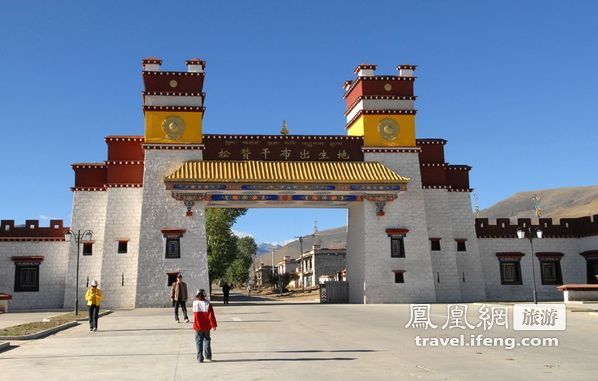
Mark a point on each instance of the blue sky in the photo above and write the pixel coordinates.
(512, 85)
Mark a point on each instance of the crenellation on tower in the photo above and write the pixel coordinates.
(381, 108)
(195, 65)
(173, 103)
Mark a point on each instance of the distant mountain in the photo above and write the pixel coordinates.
(555, 203)
(332, 238)
(266, 248)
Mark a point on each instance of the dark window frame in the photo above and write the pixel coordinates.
(120, 249)
(20, 269)
(461, 245)
(84, 250)
(518, 278)
(168, 254)
(591, 263)
(435, 244)
(558, 279)
(171, 278)
(399, 277)
(397, 251)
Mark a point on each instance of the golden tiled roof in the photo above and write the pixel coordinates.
(253, 171)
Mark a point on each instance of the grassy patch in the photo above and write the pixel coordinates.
(38, 326)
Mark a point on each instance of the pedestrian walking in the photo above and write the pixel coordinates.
(178, 295)
(226, 292)
(94, 298)
(204, 320)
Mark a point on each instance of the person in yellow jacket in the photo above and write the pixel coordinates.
(94, 298)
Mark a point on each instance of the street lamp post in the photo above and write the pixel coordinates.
(78, 237)
(531, 234)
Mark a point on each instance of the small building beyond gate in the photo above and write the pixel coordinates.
(334, 292)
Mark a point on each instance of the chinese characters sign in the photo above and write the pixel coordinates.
(282, 148)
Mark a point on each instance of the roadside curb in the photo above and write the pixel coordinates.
(4, 345)
(41, 334)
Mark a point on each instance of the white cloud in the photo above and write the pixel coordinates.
(242, 234)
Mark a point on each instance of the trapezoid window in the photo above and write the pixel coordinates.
(27, 273)
(510, 268)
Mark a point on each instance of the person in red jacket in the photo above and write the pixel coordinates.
(204, 320)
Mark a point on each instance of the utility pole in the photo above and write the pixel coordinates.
(272, 251)
(301, 263)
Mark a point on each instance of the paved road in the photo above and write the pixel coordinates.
(268, 340)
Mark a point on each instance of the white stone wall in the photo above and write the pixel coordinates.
(159, 210)
(469, 266)
(407, 211)
(444, 262)
(123, 215)
(328, 264)
(51, 273)
(573, 265)
(356, 253)
(587, 243)
(89, 212)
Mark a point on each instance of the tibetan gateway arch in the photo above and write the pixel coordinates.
(151, 193)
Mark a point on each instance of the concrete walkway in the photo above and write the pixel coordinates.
(270, 340)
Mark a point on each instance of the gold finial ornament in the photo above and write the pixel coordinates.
(284, 130)
(173, 127)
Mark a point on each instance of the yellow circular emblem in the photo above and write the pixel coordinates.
(388, 87)
(173, 83)
(388, 129)
(173, 127)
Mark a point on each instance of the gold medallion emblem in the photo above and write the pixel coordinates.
(388, 129)
(173, 127)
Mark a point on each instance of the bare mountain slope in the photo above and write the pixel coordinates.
(332, 238)
(555, 203)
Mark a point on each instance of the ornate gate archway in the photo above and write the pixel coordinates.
(396, 188)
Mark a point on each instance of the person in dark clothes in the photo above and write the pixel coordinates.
(178, 295)
(226, 292)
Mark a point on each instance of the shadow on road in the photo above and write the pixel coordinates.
(250, 321)
(80, 355)
(238, 299)
(290, 360)
(182, 328)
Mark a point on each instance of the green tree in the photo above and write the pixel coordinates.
(238, 271)
(285, 279)
(222, 243)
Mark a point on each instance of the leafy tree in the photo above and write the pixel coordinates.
(285, 278)
(222, 243)
(238, 271)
